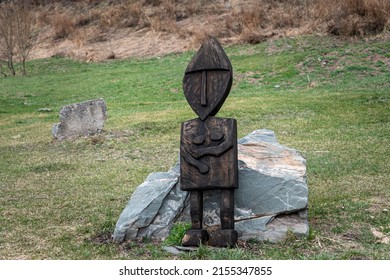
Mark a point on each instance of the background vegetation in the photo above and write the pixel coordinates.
(223, 18)
(82, 28)
(326, 97)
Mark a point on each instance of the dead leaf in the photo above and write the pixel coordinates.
(381, 236)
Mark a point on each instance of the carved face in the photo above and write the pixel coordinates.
(208, 79)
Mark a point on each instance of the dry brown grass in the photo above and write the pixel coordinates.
(63, 25)
(353, 17)
(232, 21)
(162, 18)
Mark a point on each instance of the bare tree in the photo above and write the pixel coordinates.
(7, 35)
(17, 36)
(1, 69)
(24, 37)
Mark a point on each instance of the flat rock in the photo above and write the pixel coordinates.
(80, 119)
(272, 229)
(271, 199)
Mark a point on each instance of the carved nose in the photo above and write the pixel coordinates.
(203, 92)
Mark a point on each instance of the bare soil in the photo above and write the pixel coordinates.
(123, 44)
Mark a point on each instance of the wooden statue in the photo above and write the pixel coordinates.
(208, 145)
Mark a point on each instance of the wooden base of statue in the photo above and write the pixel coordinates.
(219, 238)
(195, 237)
(224, 238)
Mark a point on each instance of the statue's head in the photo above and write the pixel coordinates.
(208, 79)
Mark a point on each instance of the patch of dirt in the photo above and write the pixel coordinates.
(102, 238)
(379, 59)
(250, 77)
(380, 236)
(379, 205)
(123, 44)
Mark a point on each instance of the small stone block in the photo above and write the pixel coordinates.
(224, 238)
(194, 237)
(81, 119)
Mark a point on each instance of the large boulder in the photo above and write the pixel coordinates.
(271, 199)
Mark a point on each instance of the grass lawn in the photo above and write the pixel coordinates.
(327, 98)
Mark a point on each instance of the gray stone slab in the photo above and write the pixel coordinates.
(272, 229)
(260, 151)
(151, 209)
(80, 119)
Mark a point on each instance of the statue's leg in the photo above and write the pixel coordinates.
(196, 209)
(226, 236)
(196, 235)
(227, 209)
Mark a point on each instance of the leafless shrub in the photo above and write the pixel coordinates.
(25, 35)
(17, 36)
(63, 25)
(7, 35)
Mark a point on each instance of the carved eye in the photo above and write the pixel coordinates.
(216, 136)
(198, 140)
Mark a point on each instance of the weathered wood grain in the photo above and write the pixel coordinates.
(208, 154)
(208, 79)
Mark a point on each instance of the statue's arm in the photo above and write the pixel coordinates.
(203, 168)
(215, 150)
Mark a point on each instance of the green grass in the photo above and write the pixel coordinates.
(328, 99)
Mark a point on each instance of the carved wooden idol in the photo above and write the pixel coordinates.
(208, 145)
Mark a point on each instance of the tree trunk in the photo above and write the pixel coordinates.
(24, 73)
(11, 66)
(1, 71)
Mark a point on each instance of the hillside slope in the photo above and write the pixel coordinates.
(99, 30)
